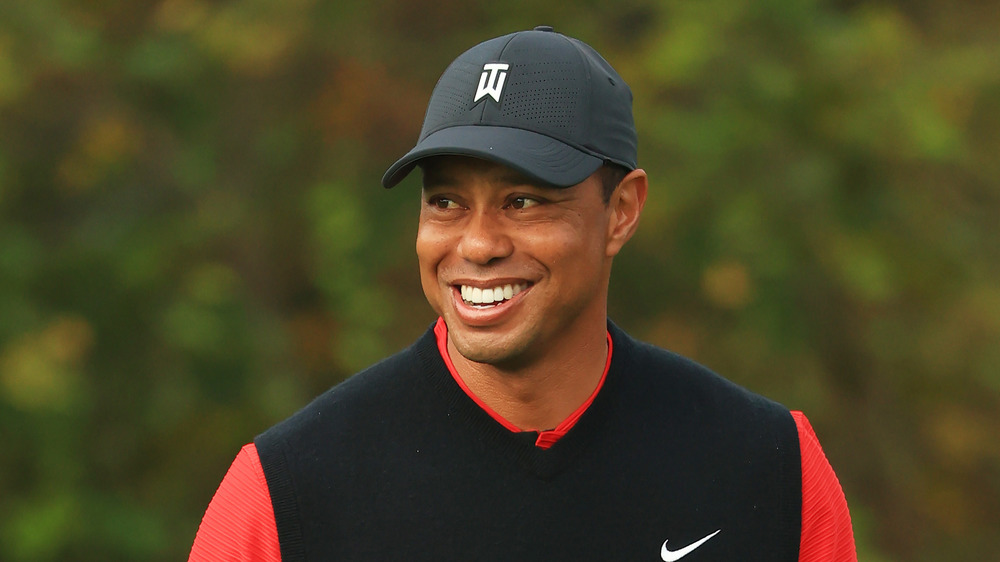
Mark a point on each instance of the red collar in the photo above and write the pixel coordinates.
(545, 438)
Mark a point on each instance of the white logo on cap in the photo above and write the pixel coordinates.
(491, 81)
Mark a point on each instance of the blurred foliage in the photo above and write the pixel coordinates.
(194, 242)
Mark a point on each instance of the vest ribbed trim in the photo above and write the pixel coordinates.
(544, 439)
(513, 447)
(283, 500)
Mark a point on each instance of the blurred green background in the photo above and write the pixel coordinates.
(194, 241)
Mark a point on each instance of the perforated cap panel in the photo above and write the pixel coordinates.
(544, 96)
(452, 99)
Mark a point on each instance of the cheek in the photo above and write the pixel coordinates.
(430, 253)
(578, 263)
(431, 246)
(569, 247)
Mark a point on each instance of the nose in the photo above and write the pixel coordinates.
(485, 239)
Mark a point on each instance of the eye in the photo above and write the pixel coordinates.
(442, 203)
(523, 202)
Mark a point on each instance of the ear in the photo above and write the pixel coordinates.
(626, 207)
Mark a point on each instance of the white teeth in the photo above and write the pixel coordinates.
(478, 296)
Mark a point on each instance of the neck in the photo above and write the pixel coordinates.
(540, 394)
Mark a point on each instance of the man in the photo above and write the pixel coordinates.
(524, 425)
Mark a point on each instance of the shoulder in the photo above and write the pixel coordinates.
(737, 451)
(682, 382)
(360, 398)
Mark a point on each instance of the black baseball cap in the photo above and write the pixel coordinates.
(542, 103)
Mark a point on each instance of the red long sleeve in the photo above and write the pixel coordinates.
(827, 535)
(239, 523)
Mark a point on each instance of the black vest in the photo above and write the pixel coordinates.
(398, 463)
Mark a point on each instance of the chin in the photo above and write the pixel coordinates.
(482, 353)
(492, 352)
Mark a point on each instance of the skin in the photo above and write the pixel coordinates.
(536, 357)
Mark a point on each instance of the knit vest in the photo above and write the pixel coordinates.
(398, 463)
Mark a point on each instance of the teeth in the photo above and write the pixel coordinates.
(478, 296)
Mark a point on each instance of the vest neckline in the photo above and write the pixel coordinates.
(543, 438)
(519, 447)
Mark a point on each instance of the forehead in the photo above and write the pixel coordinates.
(452, 170)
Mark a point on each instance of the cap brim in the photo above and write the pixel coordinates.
(537, 156)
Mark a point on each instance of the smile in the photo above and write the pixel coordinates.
(476, 296)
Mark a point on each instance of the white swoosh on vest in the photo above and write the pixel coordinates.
(668, 556)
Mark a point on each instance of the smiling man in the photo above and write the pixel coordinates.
(524, 425)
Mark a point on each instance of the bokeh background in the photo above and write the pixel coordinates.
(194, 241)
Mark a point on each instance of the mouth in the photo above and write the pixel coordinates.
(479, 297)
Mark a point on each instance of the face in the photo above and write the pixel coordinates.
(517, 270)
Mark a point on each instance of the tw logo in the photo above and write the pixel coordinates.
(491, 81)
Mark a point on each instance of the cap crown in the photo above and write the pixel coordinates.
(553, 85)
(541, 103)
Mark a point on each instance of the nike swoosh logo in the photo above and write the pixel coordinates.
(669, 556)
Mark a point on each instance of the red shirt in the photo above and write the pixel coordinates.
(239, 523)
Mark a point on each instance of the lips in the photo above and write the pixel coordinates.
(478, 296)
